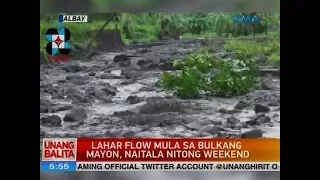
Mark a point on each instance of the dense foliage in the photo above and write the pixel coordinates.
(202, 73)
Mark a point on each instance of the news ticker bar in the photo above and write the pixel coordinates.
(67, 166)
(160, 150)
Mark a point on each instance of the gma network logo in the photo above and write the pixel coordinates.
(247, 19)
(58, 46)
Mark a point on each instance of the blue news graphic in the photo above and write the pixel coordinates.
(60, 18)
(243, 19)
(58, 166)
(58, 41)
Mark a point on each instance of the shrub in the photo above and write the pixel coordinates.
(234, 78)
(202, 72)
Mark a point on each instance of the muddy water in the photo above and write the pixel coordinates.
(119, 104)
(184, 118)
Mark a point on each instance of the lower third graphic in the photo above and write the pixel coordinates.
(58, 47)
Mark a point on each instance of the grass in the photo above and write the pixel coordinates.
(249, 47)
(140, 33)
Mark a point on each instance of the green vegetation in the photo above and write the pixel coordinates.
(152, 26)
(202, 72)
(247, 48)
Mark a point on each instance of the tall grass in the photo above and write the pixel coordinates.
(266, 46)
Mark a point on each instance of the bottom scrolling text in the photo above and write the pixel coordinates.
(181, 166)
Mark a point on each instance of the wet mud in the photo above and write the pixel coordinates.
(118, 95)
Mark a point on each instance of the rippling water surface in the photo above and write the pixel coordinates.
(206, 111)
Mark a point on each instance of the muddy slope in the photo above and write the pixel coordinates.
(117, 95)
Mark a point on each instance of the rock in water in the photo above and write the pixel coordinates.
(232, 120)
(217, 122)
(151, 66)
(211, 129)
(241, 105)
(76, 115)
(134, 99)
(105, 99)
(121, 58)
(166, 66)
(73, 68)
(226, 111)
(258, 119)
(252, 122)
(43, 77)
(44, 109)
(109, 76)
(265, 119)
(142, 51)
(109, 90)
(256, 133)
(79, 97)
(270, 124)
(261, 108)
(74, 77)
(223, 111)
(91, 73)
(54, 120)
(44, 105)
(128, 134)
(45, 102)
(260, 114)
(61, 107)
